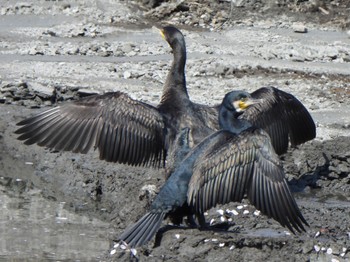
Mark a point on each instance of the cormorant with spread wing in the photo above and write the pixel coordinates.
(129, 131)
(235, 161)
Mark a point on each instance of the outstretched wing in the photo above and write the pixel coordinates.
(123, 129)
(282, 116)
(243, 164)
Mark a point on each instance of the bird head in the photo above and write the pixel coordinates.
(239, 101)
(172, 35)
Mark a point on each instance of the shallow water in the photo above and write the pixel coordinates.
(33, 227)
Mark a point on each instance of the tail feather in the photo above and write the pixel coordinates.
(143, 230)
(139, 229)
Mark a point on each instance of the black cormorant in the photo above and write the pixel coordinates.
(235, 161)
(129, 131)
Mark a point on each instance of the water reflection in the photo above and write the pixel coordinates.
(34, 228)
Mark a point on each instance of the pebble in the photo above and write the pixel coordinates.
(220, 211)
(299, 28)
(233, 211)
(126, 74)
(212, 221)
(317, 248)
(126, 48)
(133, 251)
(287, 233)
(147, 191)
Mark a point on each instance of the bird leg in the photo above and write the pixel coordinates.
(191, 222)
(201, 220)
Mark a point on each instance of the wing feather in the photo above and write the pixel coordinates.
(235, 165)
(269, 190)
(282, 116)
(123, 129)
(222, 162)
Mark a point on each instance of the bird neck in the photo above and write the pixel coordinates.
(176, 80)
(228, 120)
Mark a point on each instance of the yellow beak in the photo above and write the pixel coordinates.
(162, 33)
(248, 102)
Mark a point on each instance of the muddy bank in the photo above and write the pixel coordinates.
(55, 51)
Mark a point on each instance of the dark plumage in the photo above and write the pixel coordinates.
(282, 116)
(128, 131)
(125, 130)
(238, 160)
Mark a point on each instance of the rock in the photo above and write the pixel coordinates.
(41, 90)
(73, 51)
(47, 103)
(148, 192)
(299, 28)
(126, 75)
(8, 88)
(126, 48)
(343, 168)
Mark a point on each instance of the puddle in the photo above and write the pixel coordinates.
(33, 227)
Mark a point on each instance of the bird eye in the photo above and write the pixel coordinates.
(244, 98)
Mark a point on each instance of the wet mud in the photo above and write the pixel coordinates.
(65, 206)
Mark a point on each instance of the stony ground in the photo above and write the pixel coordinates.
(57, 51)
